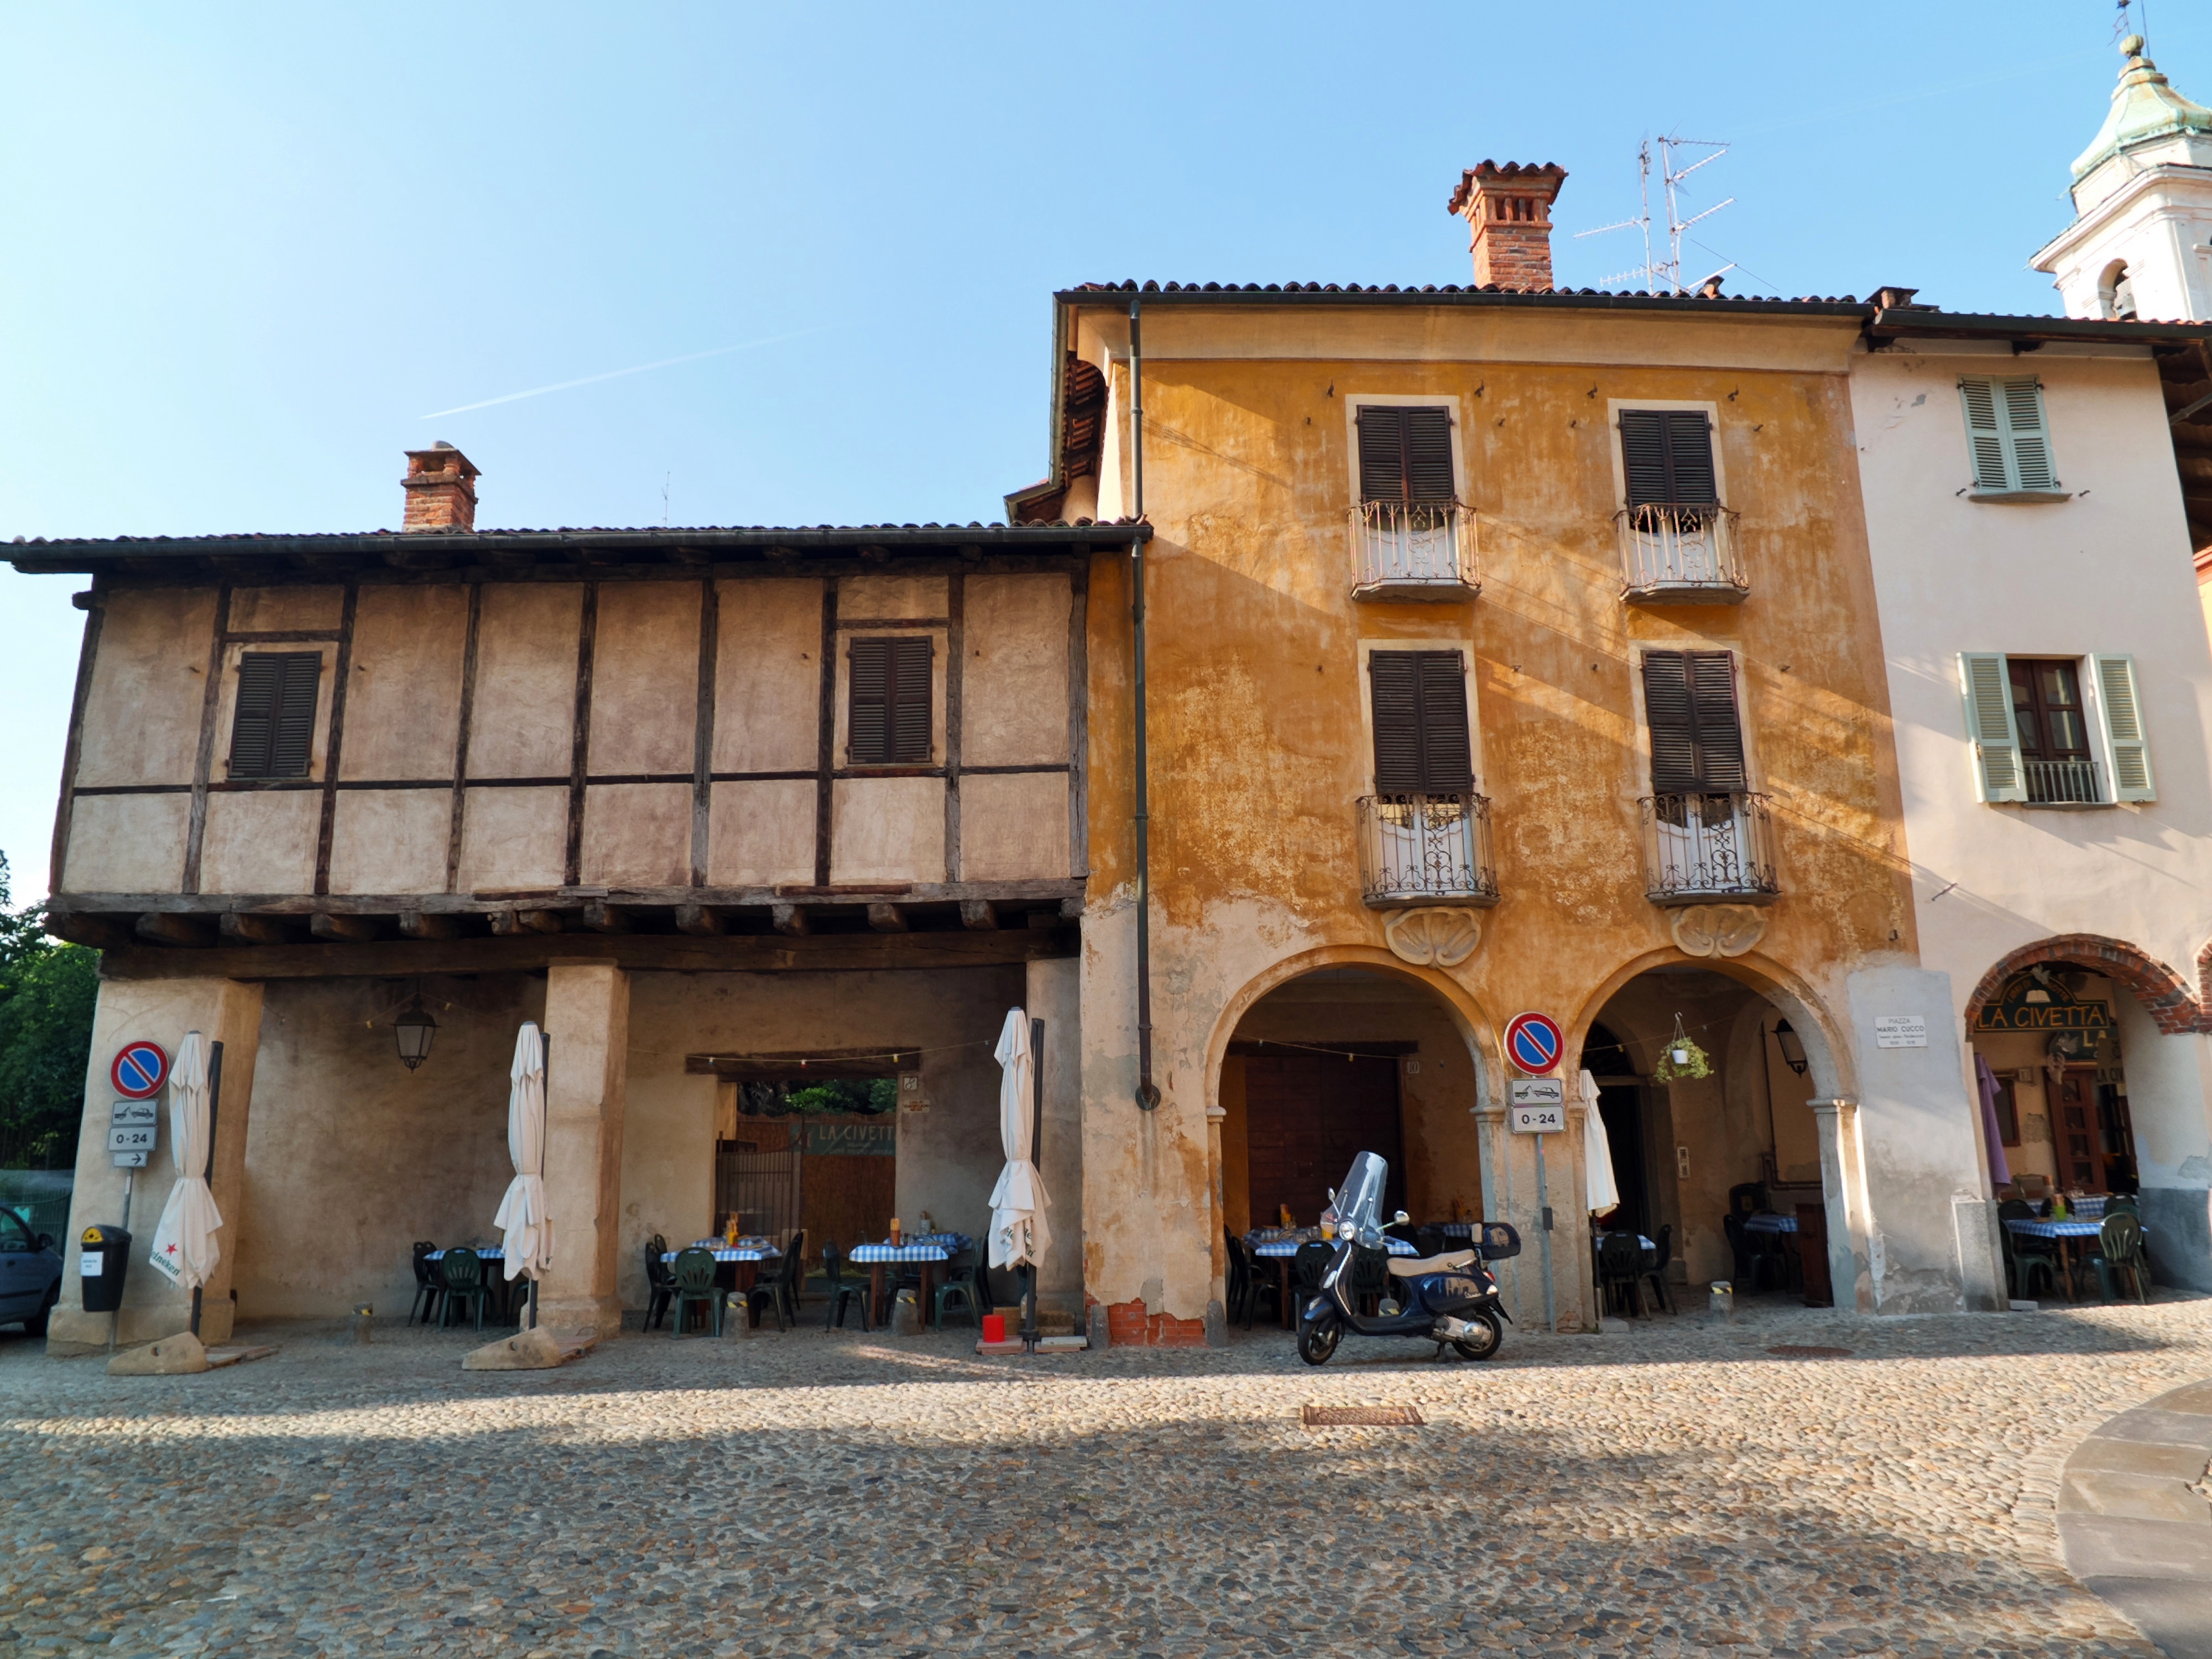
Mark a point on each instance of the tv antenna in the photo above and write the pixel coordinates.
(1665, 275)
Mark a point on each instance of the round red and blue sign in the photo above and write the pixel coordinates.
(1533, 1041)
(140, 1070)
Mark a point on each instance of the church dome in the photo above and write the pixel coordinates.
(2145, 109)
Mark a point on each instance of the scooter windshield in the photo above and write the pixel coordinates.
(1359, 1200)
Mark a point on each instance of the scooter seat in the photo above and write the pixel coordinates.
(1407, 1267)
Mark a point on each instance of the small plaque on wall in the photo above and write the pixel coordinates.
(911, 1095)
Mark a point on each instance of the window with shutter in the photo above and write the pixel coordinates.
(272, 729)
(1405, 454)
(1667, 456)
(1697, 734)
(2120, 711)
(887, 722)
(1986, 680)
(1422, 744)
(2008, 437)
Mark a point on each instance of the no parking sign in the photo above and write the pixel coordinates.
(1533, 1041)
(139, 1071)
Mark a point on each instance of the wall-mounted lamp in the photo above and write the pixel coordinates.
(414, 1031)
(1793, 1049)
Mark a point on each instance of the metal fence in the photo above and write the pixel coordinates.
(1411, 545)
(1681, 551)
(764, 1188)
(1708, 846)
(1426, 848)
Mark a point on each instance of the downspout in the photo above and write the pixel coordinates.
(1148, 1093)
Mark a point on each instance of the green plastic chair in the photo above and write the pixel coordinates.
(463, 1272)
(2119, 1250)
(693, 1273)
(960, 1280)
(843, 1290)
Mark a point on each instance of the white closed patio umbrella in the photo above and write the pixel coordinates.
(1597, 1153)
(185, 1246)
(1019, 1233)
(524, 1223)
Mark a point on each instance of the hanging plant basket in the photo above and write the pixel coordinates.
(1681, 1058)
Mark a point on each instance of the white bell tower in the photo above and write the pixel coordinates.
(2140, 243)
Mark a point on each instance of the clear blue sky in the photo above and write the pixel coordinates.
(246, 248)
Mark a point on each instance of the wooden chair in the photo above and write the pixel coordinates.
(695, 1287)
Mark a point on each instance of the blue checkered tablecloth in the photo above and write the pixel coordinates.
(1282, 1246)
(488, 1253)
(725, 1253)
(2069, 1229)
(908, 1252)
(2088, 1209)
(1770, 1224)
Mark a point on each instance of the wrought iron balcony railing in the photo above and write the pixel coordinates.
(1425, 849)
(2063, 783)
(1414, 550)
(1701, 848)
(1678, 555)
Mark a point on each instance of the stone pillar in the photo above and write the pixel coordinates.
(160, 1011)
(587, 1074)
(1843, 1188)
(1053, 995)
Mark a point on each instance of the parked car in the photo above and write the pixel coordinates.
(30, 1274)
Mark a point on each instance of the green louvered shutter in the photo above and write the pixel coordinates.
(2121, 711)
(272, 728)
(2029, 436)
(1987, 684)
(1984, 437)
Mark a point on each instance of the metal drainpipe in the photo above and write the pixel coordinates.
(1148, 1093)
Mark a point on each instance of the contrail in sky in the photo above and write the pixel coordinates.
(617, 373)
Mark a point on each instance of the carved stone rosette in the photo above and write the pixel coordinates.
(1718, 930)
(1433, 936)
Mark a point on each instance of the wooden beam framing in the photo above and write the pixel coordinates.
(243, 927)
(334, 740)
(461, 738)
(703, 747)
(788, 920)
(602, 917)
(203, 763)
(888, 919)
(424, 924)
(579, 750)
(826, 736)
(700, 921)
(349, 930)
(73, 746)
(977, 914)
(157, 929)
(956, 652)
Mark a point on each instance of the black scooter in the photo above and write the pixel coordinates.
(1450, 1299)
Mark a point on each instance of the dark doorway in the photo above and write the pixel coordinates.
(1306, 1116)
(1620, 1107)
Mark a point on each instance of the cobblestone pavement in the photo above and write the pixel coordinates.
(1677, 1490)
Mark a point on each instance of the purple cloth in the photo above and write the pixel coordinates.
(2000, 1171)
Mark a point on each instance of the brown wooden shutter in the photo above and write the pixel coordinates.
(910, 663)
(272, 730)
(1689, 705)
(1667, 455)
(1421, 739)
(888, 697)
(1405, 454)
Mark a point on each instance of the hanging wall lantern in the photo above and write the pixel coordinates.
(414, 1031)
(1792, 1046)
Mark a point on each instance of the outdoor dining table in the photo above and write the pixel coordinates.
(923, 1250)
(736, 1265)
(1283, 1247)
(504, 1291)
(2065, 1232)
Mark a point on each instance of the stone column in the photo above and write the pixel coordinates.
(1217, 1304)
(160, 1010)
(1843, 1188)
(587, 1074)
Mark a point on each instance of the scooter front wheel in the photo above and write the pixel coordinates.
(1318, 1341)
(1489, 1337)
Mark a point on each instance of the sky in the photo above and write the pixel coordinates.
(249, 251)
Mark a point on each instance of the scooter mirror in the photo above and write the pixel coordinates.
(1400, 1218)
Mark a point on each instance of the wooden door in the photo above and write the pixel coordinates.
(2081, 1152)
(1306, 1116)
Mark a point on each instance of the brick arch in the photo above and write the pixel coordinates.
(2163, 993)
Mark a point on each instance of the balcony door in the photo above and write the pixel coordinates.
(1306, 1116)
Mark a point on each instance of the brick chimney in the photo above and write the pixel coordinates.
(441, 492)
(1509, 219)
